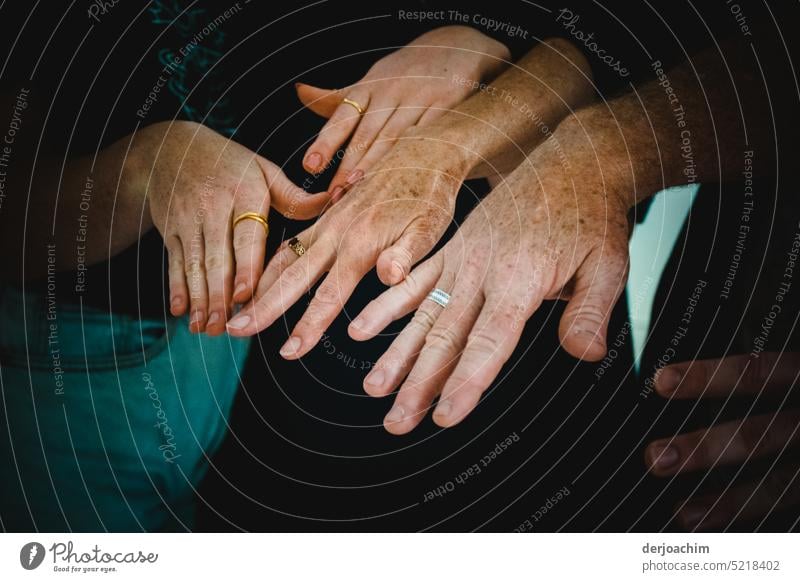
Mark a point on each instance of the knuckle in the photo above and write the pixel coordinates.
(484, 342)
(244, 237)
(214, 261)
(591, 312)
(443, 338)
(194, 266)
(176, 262)
(328, 294)
(423, 319)
(293, 276)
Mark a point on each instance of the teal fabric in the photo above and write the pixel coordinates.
(107, 423)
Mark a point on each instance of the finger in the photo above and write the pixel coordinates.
(219, 266)
(777, 491)
(598, 283)
(284, 257)
(394, 365)
(249, 243)
(336, 131)
(323, 102)
(293, 283)
(398, 301)
(438, 357)
(363, 139)
(195, 270)
(490, 344)
(327, 303)
(417, 240)
(729, 443)
(361, 160)
(287, 198)
(178, 291)
(741, 374)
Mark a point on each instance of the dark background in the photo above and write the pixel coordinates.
(306, 449)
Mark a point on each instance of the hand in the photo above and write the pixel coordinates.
(392, 219)
(547, 232)
(411, 86)
(762, 436)
(197, 180)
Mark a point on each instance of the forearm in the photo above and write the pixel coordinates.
(696, 123)
(86, 215)
(494, 129)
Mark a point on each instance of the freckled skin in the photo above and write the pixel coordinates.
(554, 228)
(395, 215)
(188, 182)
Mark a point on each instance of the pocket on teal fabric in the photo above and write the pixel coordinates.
(39, 334)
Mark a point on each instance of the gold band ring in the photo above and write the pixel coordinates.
(352, 103)
(297, 247)
(253, 216)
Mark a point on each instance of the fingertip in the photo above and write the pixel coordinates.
(308, 206)
(240, 325)
(197, 323)
(177, 306)
(584, 344)
(398, 421)
(215, 324)
(358, 330)
(667, 380)
(313, 162)
(390, 270)
(447, 415)
(242, 291)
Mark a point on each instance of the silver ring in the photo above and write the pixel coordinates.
(439, 297)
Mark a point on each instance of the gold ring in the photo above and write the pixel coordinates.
(253, 216)
(297, 247)
(352, 103)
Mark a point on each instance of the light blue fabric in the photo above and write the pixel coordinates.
(106, 422)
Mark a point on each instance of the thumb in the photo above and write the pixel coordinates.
(323, 102)
(288, 198)
(417, 240)
(599, 282)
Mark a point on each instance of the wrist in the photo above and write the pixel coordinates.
(137, 168)
(442, 147)
(623, 149)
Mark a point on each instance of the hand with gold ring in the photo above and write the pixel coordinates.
(210, 197)
(411, 86)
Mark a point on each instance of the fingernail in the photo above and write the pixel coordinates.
(336, 193)
(375, 378)
(239, 322)
(313, 161)
(358, 323)
(354, 177)
(176, 302)
(239, 288)
(692, 515)
(197, 317)
(291, 346)
(396, 414)
(398, 272)
(667, 380)
(213, 318)
(443, 409)
(595, 337)
(665, 457)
